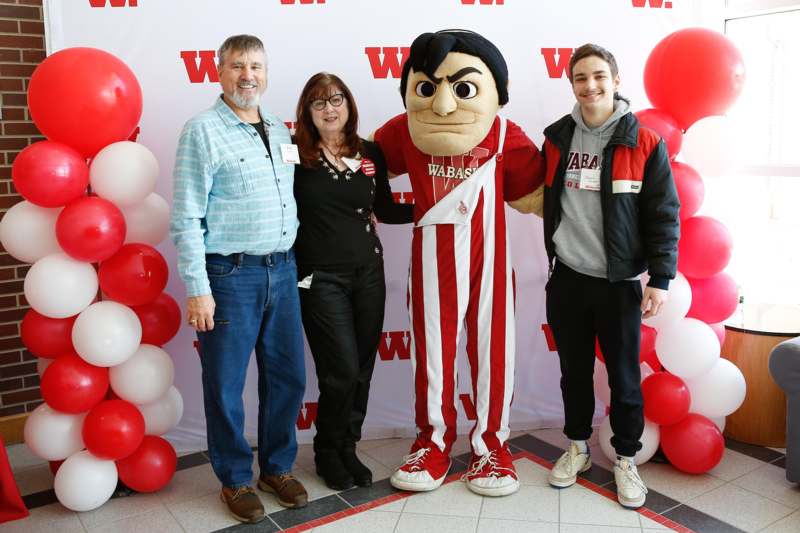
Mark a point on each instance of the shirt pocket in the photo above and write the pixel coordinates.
(233, 179)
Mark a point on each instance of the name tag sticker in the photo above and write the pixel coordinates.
(290, 154)
(590, 179)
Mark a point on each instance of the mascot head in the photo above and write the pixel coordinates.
(453, 84)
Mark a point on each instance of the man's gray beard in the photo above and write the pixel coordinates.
(245, 103)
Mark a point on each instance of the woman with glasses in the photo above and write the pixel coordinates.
(340, 184)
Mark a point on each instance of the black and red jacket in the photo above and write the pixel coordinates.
(640, 220)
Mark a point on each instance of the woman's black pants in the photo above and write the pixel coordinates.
(343, 319)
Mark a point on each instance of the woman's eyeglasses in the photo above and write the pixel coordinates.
(336, 100)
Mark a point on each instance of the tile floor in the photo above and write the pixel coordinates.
(747, 491)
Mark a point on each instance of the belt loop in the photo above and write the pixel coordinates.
(239, 259)
(270, 259)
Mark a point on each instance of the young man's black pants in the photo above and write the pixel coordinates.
(343, 319)
(580, 307)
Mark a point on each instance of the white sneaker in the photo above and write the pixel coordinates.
(630, 487)
(565, 472)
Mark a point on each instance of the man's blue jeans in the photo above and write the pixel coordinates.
(257, 306)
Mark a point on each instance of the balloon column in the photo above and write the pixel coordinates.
(696, 388)
(106, 383)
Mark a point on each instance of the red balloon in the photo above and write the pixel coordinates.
(714, 299)
(86, 98)
(47, 337)
(111, 395)
(693, 445)
(50, 174)
(135, 275)
(719, 329)
(704, 248)
(150, 467)
(666, 398)
(597, 351)
(666, 126)
(113, 429)
(55, 465)
(71, 385)
(647, 348)
(90, 229)
(692, 74)
(691, 189)
(161, 319)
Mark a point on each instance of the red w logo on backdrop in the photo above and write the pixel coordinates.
(397, 347)
(652, 3)
(557, 61)
(305, 419)
(386, 60)
(113, 3)
(203, 71)
(548, 335)
(406, 197)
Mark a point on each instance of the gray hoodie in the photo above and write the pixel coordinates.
(579, 238)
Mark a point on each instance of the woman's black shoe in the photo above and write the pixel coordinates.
(361, 474)
(332, 471)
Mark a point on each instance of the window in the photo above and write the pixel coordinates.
(760, 203)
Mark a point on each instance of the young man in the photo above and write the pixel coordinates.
(234, 221)
(463, 163)
(610, 213)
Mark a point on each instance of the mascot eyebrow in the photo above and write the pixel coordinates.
(429, 50)
(457, 76)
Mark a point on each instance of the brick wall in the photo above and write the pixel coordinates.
(21, 49)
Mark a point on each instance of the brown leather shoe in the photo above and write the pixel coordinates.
(289, 490)
(243, 503)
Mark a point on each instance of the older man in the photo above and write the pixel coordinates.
(234, 221)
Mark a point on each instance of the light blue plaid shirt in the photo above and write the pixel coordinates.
(229, 197)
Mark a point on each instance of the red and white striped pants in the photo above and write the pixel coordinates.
(461, 279)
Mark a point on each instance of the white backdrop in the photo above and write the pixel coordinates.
(162, 41)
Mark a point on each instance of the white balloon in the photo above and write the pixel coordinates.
(41, 365)
(58, 286)
(679, 300)
(601, 389)
(163, 414)
(84, 482)
(52, 435)
(147, 221)
(28, 232)
(124, 172)
(688, 348)
(645, 371)
(106, 333)
(720, 422)
(713, 147)
(650, 439)
(718, 392)
(145, 377)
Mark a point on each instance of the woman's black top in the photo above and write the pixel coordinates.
(335, 208)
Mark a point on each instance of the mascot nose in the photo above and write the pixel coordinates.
(443, 101)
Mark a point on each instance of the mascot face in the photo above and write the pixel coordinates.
(452, 113)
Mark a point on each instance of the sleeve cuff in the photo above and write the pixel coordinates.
(199, 287)
(659, 282)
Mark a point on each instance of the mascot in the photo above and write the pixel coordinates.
(463, 161)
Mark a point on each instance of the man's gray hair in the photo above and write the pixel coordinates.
(240, 43)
